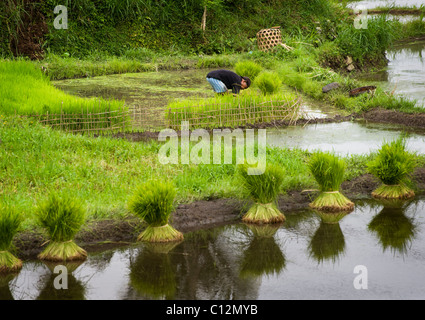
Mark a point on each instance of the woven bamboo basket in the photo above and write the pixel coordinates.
(269, 38)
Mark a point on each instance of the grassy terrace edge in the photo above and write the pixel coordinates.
(105, 172)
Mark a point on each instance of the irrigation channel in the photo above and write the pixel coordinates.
(304, 258)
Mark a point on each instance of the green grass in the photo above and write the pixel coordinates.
(26, 91)
(105, 172)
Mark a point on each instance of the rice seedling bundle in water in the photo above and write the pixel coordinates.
(263, 189)
(393, 166)
(153, 202)
(328, 171)
(62, 216)
(10, 221)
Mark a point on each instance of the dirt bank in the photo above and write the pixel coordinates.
(416, 120)
(102, 234)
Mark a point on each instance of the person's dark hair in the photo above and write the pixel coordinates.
(248, 81)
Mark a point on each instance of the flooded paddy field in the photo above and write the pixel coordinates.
(304, 258)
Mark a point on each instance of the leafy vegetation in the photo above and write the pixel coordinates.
(393, 166)
(62, 216)
(263, 189)
(153, 201)
(328, 171)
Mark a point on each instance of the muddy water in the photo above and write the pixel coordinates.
(305, 258)
(405, 73)
(344, 138)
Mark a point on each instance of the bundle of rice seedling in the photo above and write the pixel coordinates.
(153, 202)
(328, 170)
(10, 221)
(263, 189)
(393, 166)
(62, 216)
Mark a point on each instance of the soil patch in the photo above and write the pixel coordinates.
(416, 120)
(100, 235)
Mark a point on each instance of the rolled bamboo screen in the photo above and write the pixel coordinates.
(269, 38)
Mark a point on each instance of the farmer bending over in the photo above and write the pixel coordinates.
(224, 80)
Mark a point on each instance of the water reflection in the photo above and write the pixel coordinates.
(394, 230)
(262, 256)
(328, 242)
(246, 262)
(153, 274)
(5, 292)
(72, 289)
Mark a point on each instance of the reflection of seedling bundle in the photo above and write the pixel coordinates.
(152, 272)
(328, 170)
(10, 221)
(62, 216)
(263, 189)
(328, 242)
(263, 256)
(153, 202)
(393, 166)
(393, 228)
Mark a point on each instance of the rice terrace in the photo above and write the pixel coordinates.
(261, 150)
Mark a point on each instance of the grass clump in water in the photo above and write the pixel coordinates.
(263, 189)
(393, 166)
(328, 171)
(62, 216)
(10, 221)
(153, 202)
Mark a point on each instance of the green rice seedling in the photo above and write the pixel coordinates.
(328, 171)
(248, 68)
(263, 189)
(10, 221)
(229, 111)
(393, 166)
(62, 216)
(268, 82)
(153, 202)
